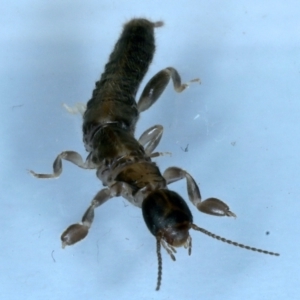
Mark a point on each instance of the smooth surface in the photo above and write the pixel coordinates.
(241, 126)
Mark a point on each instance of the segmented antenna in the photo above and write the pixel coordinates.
(195, 227)
(190, 245)
(159, 259)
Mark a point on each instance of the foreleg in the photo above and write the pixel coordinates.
(157, 85)
(76, 232)
(211, 206)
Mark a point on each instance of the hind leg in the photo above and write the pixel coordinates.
(157, 85)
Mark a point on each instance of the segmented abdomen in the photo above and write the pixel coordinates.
(113, 99)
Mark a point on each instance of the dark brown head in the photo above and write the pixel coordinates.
(168, 217)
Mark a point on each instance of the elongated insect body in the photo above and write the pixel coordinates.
(113, 99)
(123, 163)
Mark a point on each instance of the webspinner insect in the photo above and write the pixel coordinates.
(123, 163)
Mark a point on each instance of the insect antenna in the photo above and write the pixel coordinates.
(158, 252)
(190, 245)
(195, 227)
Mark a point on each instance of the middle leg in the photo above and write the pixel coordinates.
(70, 156)
(150, 139)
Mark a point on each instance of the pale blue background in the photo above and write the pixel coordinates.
(241, 124)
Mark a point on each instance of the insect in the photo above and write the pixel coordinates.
(123, 163)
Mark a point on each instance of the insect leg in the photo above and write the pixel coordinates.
(78, 108)
(71, 156)
(211, 206)
(150, 139)
(157, 85)
(76, 232)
